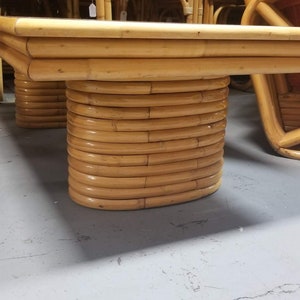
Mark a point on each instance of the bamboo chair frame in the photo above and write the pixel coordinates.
(275, 100)
(195, 11)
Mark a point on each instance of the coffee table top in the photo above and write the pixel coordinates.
(72, 49)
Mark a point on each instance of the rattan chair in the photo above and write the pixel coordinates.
(278, 96)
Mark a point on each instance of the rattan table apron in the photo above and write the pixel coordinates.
(146, 102)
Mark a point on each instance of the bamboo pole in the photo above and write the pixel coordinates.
(138, 171)
(108, 10)
(272, 15)
(141, 148)
(67, 28)
(195, 11)
(144, 181)
(157, 69)
(154, 48)
(149, 100)
(100, 9)
(145, 88)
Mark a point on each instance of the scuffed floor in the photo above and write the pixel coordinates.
(240, 243)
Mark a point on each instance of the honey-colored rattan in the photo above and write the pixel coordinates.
(278, 95)
(142, 150)
(39, 104)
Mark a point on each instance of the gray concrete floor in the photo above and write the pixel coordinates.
(242, 242)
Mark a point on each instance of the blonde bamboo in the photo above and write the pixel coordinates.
(273, 129)
(148, 202)
(148, 87)
(195, 11)
(188, 132)
(158, 69)
(200, 12)
(144, 160)
(106, 204)
(67, 28)
(119, 113)
(144, 125)
(17, 43)
(126, 193)
(141, 182)
(108, 10)
(153, 100)
(212, 172)
(143, 137)
(267, 11)
(109, 160)
(108, 112)
(142, 148)
(155, 48)
(145, 148)
(187, 110)
(100, 9)
(182, 197)
(14, 58)
(155, 159)
(290, 139)
(138, 171)
(108, 137)
(190, 85)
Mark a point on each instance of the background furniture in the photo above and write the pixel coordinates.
(278, 95)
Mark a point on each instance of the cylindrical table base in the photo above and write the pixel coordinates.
(40, 104)
(134, 145)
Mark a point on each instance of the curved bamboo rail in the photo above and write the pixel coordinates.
(279, 106)
(145, 127)
(40, 104)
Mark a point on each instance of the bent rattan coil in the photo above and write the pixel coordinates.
(141, 150)
(39, 104)
(277, 95)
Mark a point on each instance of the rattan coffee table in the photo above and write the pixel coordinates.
(146, 102)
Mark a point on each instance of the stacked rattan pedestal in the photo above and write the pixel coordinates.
(137, 145)
(40, 104)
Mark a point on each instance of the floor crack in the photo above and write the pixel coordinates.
(287, 288)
